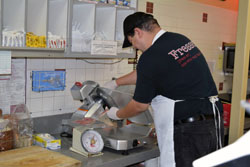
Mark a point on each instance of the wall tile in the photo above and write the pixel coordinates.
(36, 105)
(49, 64)
(89, 64)
(69, 102)
(71, 64)
(36, 64)
(90, 74)
(80, 64)
(80, 75)
(59, 103)
(68, 87)
(60, 63)
(71, 75)
(48, 94)
(48, 104)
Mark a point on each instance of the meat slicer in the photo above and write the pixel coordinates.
(115, 134)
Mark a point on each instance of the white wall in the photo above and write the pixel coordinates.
(181, 16)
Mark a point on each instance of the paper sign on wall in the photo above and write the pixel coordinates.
(5, 62)
(99, 47)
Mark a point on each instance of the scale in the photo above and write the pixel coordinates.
(87, 141)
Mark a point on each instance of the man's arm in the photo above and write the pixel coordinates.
(128, 79)
(133, 108)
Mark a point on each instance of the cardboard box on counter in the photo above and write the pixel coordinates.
(47, 141)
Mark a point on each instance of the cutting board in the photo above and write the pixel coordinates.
(35, 156)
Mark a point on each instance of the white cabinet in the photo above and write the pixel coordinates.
(13, 14)
(82, 26)
(105, 22)
(36, 17)
(13, 23)
(57, 23)
(68, 27)
(98, 23)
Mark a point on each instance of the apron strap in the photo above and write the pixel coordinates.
(216, 112)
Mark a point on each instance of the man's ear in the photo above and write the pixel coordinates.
(139, 32)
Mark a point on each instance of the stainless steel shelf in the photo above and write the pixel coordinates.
(88, 55)
(31, 49)
(58, 53)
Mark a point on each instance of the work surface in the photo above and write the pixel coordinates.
(111, 157)
(36, 156)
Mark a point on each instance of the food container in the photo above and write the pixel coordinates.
(47, 141)
(6, 140)
(6, 133)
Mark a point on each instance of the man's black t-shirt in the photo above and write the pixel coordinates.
(175, 68)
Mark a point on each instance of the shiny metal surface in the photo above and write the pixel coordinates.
(84, 91)
(120, 100)
(124, 138)
(109, 158)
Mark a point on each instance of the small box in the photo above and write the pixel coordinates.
(47, 141)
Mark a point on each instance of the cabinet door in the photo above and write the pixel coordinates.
(37, 17)
(82, 26)
(105, 22)
(121, 14)
(13, 28)
(14, 15)
(57, 23)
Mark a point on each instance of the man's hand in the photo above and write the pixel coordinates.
(112, 113)
(111, 85)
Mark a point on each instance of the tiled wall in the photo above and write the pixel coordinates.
(181, 16)
(57, 102)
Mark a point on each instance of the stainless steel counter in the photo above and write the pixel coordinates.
(111, 157)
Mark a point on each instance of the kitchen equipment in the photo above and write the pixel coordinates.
(95, 99)
(87, 141)
(36, 156)
(126, 137)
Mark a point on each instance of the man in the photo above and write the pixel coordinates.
(172, 75)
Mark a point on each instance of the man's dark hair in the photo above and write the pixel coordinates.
(140, 20)
(147, 23)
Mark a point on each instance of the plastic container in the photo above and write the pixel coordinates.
(6, 139)
(226, 114)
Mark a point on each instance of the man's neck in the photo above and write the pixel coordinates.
(150, 37)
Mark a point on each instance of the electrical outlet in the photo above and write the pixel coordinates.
(204, 17)
(149, 7)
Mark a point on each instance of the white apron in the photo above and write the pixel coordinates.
(164, 124)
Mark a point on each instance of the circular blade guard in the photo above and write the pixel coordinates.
(114, 98)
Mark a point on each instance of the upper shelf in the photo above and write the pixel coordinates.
(61, 28)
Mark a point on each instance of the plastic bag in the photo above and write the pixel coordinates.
(22, 124)
(6, 134)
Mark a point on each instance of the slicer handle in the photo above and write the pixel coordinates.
(78, 84)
